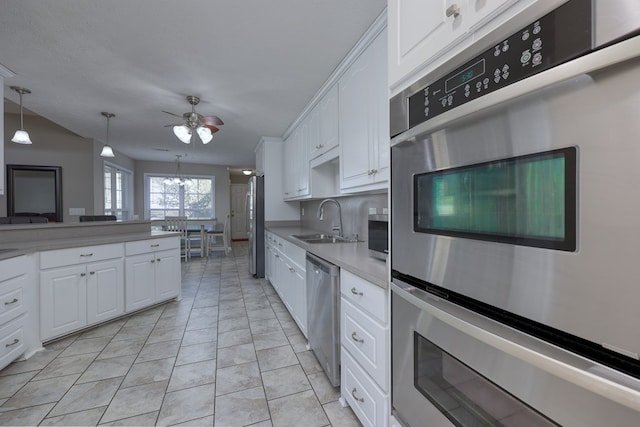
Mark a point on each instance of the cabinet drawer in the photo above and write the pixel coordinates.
(12, 267)
(364, 295)
(84, 254)
(151, 245)
(11, 298)
(11, 341)
(366, 340)
(296, 254)
(368, 402)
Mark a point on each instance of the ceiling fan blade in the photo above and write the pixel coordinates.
(213, 129)
(175, 124)
(211, 120)
(173, 114)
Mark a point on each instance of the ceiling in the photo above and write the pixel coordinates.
(253, 63)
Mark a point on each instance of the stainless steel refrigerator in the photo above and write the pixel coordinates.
(255, 226)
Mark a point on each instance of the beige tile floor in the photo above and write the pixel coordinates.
(227, 354)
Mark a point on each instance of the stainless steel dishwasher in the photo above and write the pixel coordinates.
(323, 314)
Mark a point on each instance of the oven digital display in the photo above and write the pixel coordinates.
(465, 76)
(527, 200)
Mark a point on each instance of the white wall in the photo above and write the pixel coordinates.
(222, 182)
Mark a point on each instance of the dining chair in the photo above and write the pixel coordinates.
(218, 238)
(179, 224)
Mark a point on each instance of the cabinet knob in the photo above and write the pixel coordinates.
(353, 393)
(13, 301)
(92, 272)
(158, 259)
(83, 274)
(356, 339)
(14, 342)
(153, 261)
(291, 269)
(356, 292)
(453, 10)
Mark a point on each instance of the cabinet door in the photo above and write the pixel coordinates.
(420, 31)
(289, 169)
(315, 146)
(481, 11)
(328, 120)
(140, 282)
(302, 159)
(167, 275)
(299, 297)
(63, 299)
(105, 290)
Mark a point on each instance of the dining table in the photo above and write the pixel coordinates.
(194, 224)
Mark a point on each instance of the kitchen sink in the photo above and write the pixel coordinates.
(321, 238)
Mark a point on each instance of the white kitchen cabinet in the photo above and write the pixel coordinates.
(152, 272)
(80, 287)
(286, 263)
(425, 34)
(13, 308)
(269, 162)
(365, 343)
(296, 163)
(323, 124)
(364, 121)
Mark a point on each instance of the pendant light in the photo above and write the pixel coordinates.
(21, 136)
(107, 151)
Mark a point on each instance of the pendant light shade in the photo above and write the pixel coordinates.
(107, 151)
(183, 133)
(21, 136)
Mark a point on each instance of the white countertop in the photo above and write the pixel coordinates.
(353, 257)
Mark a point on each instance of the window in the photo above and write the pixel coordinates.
(193, 199)
(118, 194)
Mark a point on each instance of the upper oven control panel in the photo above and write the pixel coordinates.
(557, 37)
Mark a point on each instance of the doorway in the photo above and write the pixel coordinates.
(238, 212)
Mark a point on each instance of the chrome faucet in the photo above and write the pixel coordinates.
(321, 213)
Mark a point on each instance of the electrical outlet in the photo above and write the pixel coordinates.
(373, 211)
(76, 211)
(385, 211)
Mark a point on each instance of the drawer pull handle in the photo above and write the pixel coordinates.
(15, 341)
(13, 301)
(453, 10)
(356, 339)
(356, 292)
(353, 393)
(86, 255)
(156, 245)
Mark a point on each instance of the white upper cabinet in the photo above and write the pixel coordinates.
(296, 163)
(364, 120)
(425, 34)
(323, 124)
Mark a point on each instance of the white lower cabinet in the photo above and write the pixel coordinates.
(286, 270)
(365, 356)
(13, 308)
(78, 295)
(152, 272)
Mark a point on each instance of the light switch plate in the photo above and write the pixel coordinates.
(385, 211)
(373, 211)
(76, 211)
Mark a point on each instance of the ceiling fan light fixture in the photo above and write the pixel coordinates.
(247, 172)
(183, 133)
(21, 136)
(205, 134)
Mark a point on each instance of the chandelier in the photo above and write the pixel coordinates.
(179, 179)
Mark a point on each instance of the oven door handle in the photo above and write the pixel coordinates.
(569, 367)
(579, 67)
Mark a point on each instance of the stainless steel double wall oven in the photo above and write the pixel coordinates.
(516, 226)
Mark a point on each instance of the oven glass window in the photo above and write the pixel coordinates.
(527, 200)
(465, 397)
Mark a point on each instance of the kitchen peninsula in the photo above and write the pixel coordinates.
(60, 278)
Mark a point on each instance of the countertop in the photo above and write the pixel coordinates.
(353, 257)
(13, 249)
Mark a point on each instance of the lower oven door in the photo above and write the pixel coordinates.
(455, 367)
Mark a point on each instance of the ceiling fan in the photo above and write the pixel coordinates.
(205, 126)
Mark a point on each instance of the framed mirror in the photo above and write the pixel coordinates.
(34, 191)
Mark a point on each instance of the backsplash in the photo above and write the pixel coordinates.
(355, 213)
